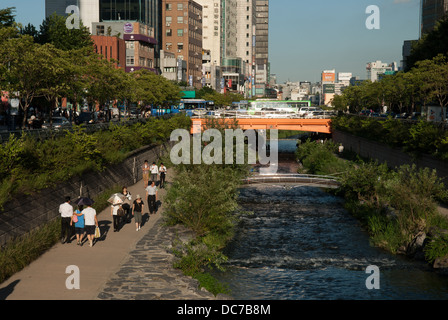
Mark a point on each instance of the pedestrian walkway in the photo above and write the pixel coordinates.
(131, 264)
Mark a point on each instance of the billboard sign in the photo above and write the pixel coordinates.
(329, 88)
(344, 76)
(328, 77)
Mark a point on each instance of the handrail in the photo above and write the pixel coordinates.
(43, 134)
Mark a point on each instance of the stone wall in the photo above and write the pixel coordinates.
(393, 157)
(27, 212)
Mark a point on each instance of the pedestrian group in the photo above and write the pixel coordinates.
(83, 219)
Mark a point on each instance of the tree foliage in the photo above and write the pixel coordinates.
(425, 83)
(430, 45)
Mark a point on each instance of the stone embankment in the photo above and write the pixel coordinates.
(148, 273)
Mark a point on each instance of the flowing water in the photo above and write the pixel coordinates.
(300, 243)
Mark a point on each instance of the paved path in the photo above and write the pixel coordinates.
(128, 264)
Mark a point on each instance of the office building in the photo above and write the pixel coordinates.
(431, 12)
(173, 69)
(139, 40)
(89, 10)
(212, 29)
(376, 69)
(262, 46)
(111, 48)
(182, 35)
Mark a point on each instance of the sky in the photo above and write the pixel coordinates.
(307, 37)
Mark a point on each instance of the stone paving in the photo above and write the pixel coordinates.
(148, 273)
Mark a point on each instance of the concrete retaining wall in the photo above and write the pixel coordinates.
(393, 157)
(25, 213)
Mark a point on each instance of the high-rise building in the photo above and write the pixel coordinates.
(182, 35)
(211, 29)
(148, 12)
(89, 10)
(262, 47)
(432, 11)
(58, 6)
(245, 33)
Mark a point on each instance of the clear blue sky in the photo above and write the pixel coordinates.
(307, 37)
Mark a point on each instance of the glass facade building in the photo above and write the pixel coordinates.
(145, 11)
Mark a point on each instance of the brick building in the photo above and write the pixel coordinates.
(182, 35)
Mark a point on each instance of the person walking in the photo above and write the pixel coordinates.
(116, 216)
(91, 222)
(78, 219)
(137, 209)
(162, 171)
(154, 171)
(66, 212)
(151, 195)
(145, 170)
(126, 205)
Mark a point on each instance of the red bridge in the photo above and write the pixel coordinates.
(312, 125)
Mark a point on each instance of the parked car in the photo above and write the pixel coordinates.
(57, 123)
(365, 113)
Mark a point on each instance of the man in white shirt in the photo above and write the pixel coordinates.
(151, 195)
(66, 212)
(154, 171)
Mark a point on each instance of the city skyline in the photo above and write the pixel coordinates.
(321, 35)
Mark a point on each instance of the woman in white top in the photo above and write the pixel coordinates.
(91, 222)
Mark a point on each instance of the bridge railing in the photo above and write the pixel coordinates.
(264, 114)
(298, 179)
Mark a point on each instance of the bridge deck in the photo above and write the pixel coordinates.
(312, 125)
(294, 179)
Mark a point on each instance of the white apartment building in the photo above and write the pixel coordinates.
(245, 33)
(212, 29)
(374, 69)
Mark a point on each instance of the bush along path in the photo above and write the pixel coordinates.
(203, 198)
(398, 208)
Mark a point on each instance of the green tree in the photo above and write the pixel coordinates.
(434, 74)
(7, 17)
(22, 74)
(152, 89)
(30, 30)
(430, 45)
(54, 30)
(57, 72)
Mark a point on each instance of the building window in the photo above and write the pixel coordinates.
(180, 32)
(99, 30)
(168, 32)
(168, 21)
(180, 19)
(129, 60)
(168, 46)
(180, 46)
(168, 6)
(180, 6)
